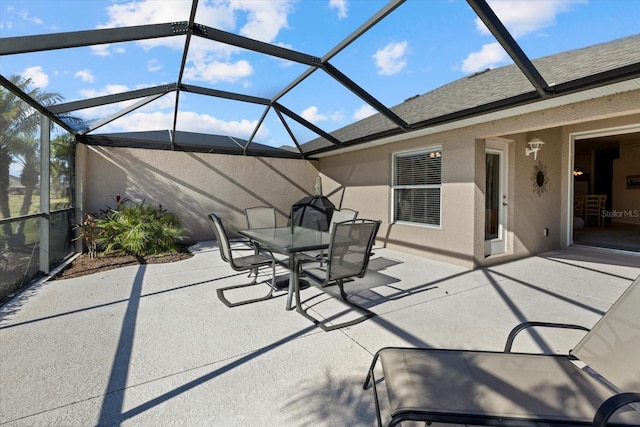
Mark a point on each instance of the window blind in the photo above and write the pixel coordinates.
(418, 169)
(417, 187)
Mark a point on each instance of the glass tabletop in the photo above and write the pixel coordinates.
(282, 240)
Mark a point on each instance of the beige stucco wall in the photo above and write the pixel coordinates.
(460, 239)
(537, 208)
(361, 180)
(192, 184)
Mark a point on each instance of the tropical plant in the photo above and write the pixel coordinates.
(139, 230)
(89, 232)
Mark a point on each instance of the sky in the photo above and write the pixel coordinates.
(420, 46)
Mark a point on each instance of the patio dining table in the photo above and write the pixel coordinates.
(289, 241)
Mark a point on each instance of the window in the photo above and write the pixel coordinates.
(417, 183)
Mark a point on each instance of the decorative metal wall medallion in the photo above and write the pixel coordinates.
(539, 179)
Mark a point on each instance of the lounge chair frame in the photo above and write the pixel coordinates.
(607, 388)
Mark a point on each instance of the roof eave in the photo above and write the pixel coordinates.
(565, 94)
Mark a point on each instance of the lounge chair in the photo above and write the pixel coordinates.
(593, 385)
(251, 262)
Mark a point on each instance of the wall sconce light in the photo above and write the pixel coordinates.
(578, 171)
(535, 145)
(435, 155)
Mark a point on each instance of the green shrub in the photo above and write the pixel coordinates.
(139, 230)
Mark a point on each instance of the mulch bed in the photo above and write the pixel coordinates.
(83, 265)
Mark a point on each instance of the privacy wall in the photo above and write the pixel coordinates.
(191, 184)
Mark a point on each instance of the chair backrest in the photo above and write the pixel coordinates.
(350, 248)
(592, 203)
(578, 201)
(612, 347)
(223, 240)
(603, 200)
(260, 217)
(341, 216)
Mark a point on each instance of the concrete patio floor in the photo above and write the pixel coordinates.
(152, 345)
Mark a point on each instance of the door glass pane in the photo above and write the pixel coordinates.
(492, 196)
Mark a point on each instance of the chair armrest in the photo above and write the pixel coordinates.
(253, 246)
(611, 405)
(524, 325)
(303, 258)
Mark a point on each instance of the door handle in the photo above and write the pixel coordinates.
(505, 204)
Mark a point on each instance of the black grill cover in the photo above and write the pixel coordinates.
(313, 212)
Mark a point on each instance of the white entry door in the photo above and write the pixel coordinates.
(496, 202)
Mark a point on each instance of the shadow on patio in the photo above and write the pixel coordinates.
(151, 344)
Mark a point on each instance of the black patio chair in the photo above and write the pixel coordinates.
(260, 217)
(341, 215)
(250, 263)
(347, 257)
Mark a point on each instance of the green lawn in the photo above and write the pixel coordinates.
(15, 203)
(31, 228)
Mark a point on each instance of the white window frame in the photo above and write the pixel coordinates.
(395, 187)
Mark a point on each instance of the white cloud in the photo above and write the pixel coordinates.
(489, 56)
(39, 78)
(208, 60)
(215, 71)
(101, 49)
(524, 17)
(154, 65)
(166, 102)
(107, 90)
(106, 49)
(85, 76)
(392, 58)
(520, 18)
(32, 19)
(312, 115)
(364, 112)
(158, 12)
(146, 12)
(265, 19)
(187, 121)
(341, 6)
